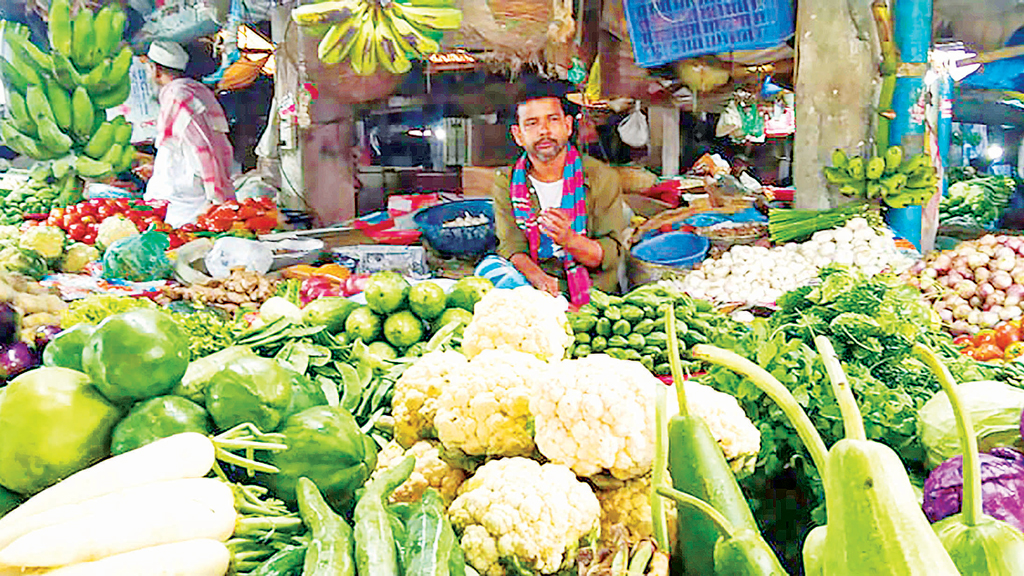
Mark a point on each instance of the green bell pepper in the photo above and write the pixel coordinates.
(136, 355)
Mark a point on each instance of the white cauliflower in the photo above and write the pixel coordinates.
(114, 228)
(417, 392)
(596, 414)
(523, 319)
(517, 510)
(430, 471)
(485, 408)
(736, 434)
(629, 505)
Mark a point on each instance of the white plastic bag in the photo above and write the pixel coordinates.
(229, 252)
(633, 129)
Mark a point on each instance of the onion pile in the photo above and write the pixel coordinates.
(977, 284)
(756, 275)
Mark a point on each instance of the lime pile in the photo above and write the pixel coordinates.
(400, 317)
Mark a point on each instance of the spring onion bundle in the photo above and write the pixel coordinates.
(788, 225)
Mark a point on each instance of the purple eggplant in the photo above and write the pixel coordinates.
(10, 323)
(44, 334)
(16, 358)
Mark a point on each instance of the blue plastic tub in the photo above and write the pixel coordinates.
(458, 240)
(664, 31)
(673, 249)
(704, 219)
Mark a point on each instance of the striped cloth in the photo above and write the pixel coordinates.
(574, 200)
(190, 112)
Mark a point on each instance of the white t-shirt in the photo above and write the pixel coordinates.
(549, 194)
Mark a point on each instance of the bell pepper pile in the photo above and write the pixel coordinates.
(1003, 342)
(252, 215)
(81, 221)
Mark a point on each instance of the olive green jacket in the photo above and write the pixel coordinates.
(606, 222)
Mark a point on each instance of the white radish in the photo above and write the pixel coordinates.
(136, 497)
(207, 513)
(199, 557)
(187, 455)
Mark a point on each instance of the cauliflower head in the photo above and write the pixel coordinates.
(485, 409)
(523, 319)
(430, 471)
(595, 414)
(112, 229)
(736, 434)
(77, 256)
(629, 505)
(47, 241)
(518, 510)
(417, 392)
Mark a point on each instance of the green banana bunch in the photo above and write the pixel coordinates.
(889, 177)
(59, 97)
(369, 34)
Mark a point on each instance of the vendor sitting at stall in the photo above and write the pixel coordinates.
(559, 214)
(192, 168)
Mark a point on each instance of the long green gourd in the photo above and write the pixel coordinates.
(698, 467)
(875, 524)
(977, 543)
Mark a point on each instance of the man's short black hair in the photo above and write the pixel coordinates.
(537, 88)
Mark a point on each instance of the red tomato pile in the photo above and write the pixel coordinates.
(258, 215)
(1004, 342)
(82, 221)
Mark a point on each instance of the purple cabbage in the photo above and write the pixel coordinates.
(1002, 487)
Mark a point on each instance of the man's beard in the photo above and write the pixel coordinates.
(549, 153)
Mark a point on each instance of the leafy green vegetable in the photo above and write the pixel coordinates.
(95, 308)
(207, 330)
(978, 202)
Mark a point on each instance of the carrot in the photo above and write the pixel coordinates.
(187, 455)
(199, 557)
(136, 497)
(208, 512)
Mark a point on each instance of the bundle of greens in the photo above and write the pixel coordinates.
(976, 203)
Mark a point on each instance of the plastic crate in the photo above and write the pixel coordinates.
(663, 31)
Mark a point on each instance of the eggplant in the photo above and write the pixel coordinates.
(10, 323)
(16, 358)
(44, 334)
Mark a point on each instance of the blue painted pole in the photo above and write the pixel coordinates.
(944, 131)
(912, 28)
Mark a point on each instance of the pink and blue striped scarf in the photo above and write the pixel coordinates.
(574, 201)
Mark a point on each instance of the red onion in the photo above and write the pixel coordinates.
(974, 318)
(988, 240)
(1010, 312)
(982, 275)
(975, 302)
(930, 273)
(989, 319)
(977, 260)
(1006, 264)
(965, 288)
(1005, 252)
(962, 311)
(955, 277)
(942, 262)
(1013, 243)
(960, 327)
(984, 290)
(946, 315)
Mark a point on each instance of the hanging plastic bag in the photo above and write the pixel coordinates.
(139, 258)
(633, 129)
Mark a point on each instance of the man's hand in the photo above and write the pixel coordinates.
(548, 284)
(144, 171)
(555, 223)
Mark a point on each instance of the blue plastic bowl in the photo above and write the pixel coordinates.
(675, 249)
(704, 219)
(458, 240)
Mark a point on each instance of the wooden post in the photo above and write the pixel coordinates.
(836, 85)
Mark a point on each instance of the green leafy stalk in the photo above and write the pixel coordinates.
(971, 464)
(658, 519)
(678, 378)
(852, 420)
(683, 499)
(776, 391)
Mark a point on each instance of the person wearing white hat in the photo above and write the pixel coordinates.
(192, 168)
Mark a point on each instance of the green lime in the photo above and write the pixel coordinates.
(468, 291)
(382, 349)
(386, 291)
(364, 324)
(427, 300)
(454, 315)
(403, 329)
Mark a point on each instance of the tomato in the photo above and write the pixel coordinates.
(106, 211)
(986, 336)
(1007, 334)
(266, 203)
(248, 211)
(1013, 351)
(78, 231)
(261, 223)
(968, 351)
(986, 352)
(963, 341)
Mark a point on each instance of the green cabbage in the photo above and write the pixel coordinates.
(47, 241)
(995, 410)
